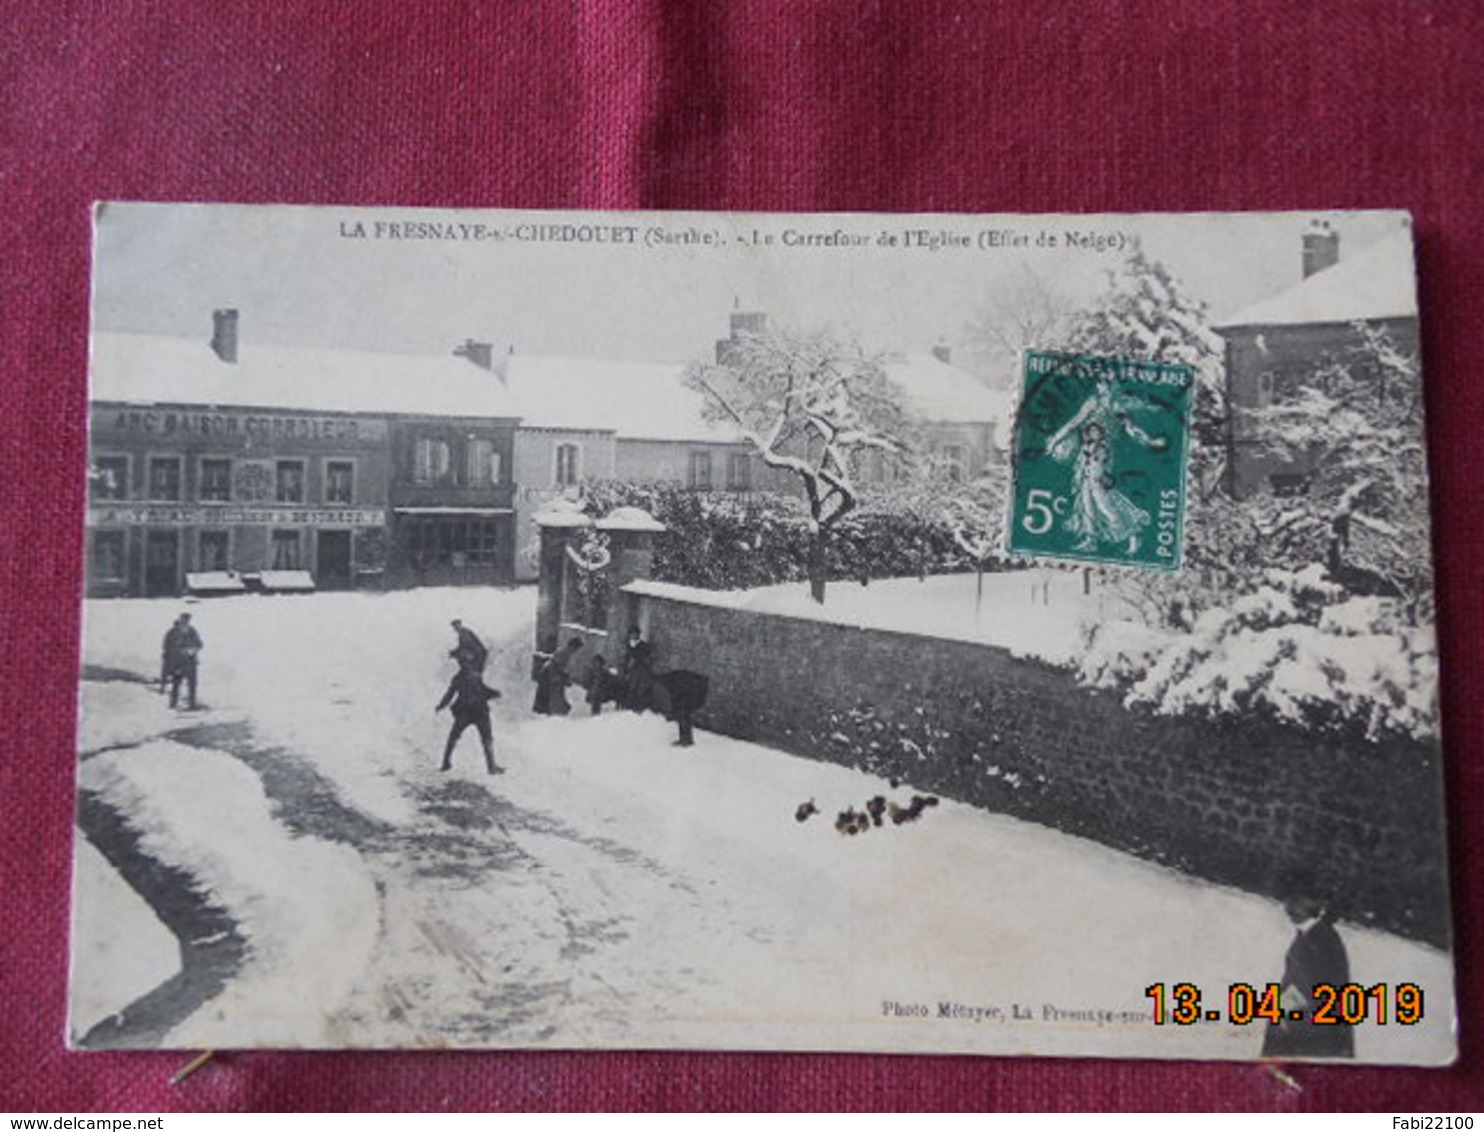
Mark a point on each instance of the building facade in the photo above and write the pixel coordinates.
(215, 469)
(179, 493)
(1324, 323)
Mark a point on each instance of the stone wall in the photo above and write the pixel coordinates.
(1250, 803)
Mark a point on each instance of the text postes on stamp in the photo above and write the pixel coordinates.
(1100, 460)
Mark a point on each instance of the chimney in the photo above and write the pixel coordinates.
(224, 334)
(942, 352)
(481, 354)
(1321, 247)
(742, 322)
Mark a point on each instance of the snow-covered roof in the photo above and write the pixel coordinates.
(1377, 282)
(156, 368)
(635, 400)
(935, 390)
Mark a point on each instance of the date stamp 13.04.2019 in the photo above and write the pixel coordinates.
(1100, 455)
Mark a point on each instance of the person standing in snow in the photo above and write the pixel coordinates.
(637, 671)
(555, 675)
(1316, 955)
(470, 651)
(603, 684)
(470, 698)
(179, 653)
(680, 694)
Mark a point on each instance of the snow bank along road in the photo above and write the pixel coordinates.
(287, 867)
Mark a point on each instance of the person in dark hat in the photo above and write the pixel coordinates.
(1316, 955)
(179, 659)
(555, 675)
(470, 651)
(470, 699)
(636, 672)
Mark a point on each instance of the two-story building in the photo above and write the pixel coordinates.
(598, 419)
(1281, 343)
(220, 466)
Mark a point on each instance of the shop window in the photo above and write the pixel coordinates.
(339, 481)
(211, 551)
(216, 481)
(568, 464)
(739, 471)
(164, 477)
(288, 481)
(430, 461)
(286, 551)
(107, 560)
(700, 471)
(455, 541)
(110, 477)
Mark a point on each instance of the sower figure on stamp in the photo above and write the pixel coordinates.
(470, 697)
(1100, 512)
(1316, 955)
(470, 651)
(179, 659)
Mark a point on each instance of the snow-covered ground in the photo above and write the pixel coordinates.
(610, 888)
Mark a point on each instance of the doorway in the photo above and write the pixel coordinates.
(161, 563)
(333, 561)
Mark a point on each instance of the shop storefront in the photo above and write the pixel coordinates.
(183, 499)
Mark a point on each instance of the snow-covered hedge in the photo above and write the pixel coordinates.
(1298, 650)
(733, 541)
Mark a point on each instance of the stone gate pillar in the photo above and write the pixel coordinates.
(630, 532)
(559, 521)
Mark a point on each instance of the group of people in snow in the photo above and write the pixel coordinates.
(633, 685)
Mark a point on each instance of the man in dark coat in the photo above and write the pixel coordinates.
(470, 651)
(470, 698)
(680, 694)
(552, 681)
(1316, 955)
(178, 659)
(636, 671)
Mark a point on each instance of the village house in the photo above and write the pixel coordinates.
(1288, 340)
(598, 419)
(226, 465)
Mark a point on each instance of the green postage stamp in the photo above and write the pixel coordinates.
(1100, 455)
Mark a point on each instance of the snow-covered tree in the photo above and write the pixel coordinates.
(1356, 421)
(1146, 313)
(1023, 313)
(1299, 649)
(812, 403)
(972, 512)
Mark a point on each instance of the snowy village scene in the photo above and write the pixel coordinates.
(937, 634)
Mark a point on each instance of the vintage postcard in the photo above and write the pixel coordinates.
(961, 634)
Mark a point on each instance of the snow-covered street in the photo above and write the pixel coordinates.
(287, 866)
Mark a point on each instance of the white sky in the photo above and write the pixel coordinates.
(163, 268)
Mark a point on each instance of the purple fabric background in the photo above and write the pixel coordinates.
(1116, 106)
